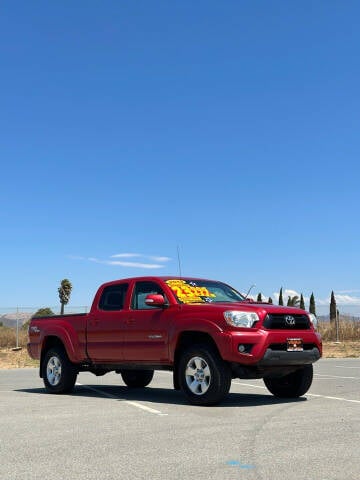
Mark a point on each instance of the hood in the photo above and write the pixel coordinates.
(261, 308)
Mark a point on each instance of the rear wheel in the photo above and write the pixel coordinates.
(58, 373)
(292, 385)
(204, 377)
(137, 378)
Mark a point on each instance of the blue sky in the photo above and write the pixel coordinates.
(229, 129)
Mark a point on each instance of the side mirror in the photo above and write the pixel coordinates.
(155, 300)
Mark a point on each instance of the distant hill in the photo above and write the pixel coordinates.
(9, 319)
(342, 318)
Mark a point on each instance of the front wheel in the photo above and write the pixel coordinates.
(58, 373)
(204, 377)
(137, 378)
(292, 385)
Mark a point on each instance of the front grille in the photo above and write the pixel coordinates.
(274, 321)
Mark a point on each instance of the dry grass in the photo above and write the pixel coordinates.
(16, 359)
(348, 336)
(349, 330)
(10, 358)
(345, 349)
(8, 337)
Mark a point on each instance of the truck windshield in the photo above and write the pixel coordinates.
(203, 291)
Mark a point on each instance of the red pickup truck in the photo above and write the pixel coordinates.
(204, 331)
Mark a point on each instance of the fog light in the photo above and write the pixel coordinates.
(245, 347)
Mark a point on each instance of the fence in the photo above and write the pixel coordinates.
(16, 317)
(31, 310)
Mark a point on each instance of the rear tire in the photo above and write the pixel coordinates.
(137, 378)
(204, 377)
(58, 373)
(292, 385)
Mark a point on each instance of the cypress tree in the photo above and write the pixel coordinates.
(332, 308)
(302, 303)
(259, 297)
(270, 300)
(312, 308)
(281, 300)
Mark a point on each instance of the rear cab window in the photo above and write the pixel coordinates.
(113, 297)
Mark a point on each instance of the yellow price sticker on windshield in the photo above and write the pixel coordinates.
(189, 293)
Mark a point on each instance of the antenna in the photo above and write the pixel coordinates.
(252, 286)
(179, 263)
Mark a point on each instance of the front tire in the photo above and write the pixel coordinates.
(293, 385)
(137, 378)
(58, 373)
(204, 377)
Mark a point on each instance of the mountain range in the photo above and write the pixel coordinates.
(10, 319)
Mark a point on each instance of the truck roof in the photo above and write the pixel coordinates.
(160, 277)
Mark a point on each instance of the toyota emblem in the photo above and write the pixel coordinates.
(290, 320)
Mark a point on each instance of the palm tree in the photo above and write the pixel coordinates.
(64, 293)
(293, 301)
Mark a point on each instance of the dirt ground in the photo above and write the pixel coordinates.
(16, 359)
(20, 358)
(341, 349)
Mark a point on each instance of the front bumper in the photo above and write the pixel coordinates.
(268, 348)
(274, 358)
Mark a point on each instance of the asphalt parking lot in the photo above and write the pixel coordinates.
(106, 431)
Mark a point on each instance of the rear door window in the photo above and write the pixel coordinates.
(113, 297)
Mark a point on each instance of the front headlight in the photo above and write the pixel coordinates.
(313, 320)
(237, 318)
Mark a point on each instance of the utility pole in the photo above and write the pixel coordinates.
(17, 331)
(337, 320)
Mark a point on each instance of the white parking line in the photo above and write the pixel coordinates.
(129, 402)
(307, 394)
(332, 398)
(343, 366)
(335, 376)
(249, 385)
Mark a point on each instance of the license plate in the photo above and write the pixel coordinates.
(295, 345)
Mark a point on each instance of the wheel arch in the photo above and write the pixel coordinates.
(193, 337)
(185, 340)
(49, 342)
